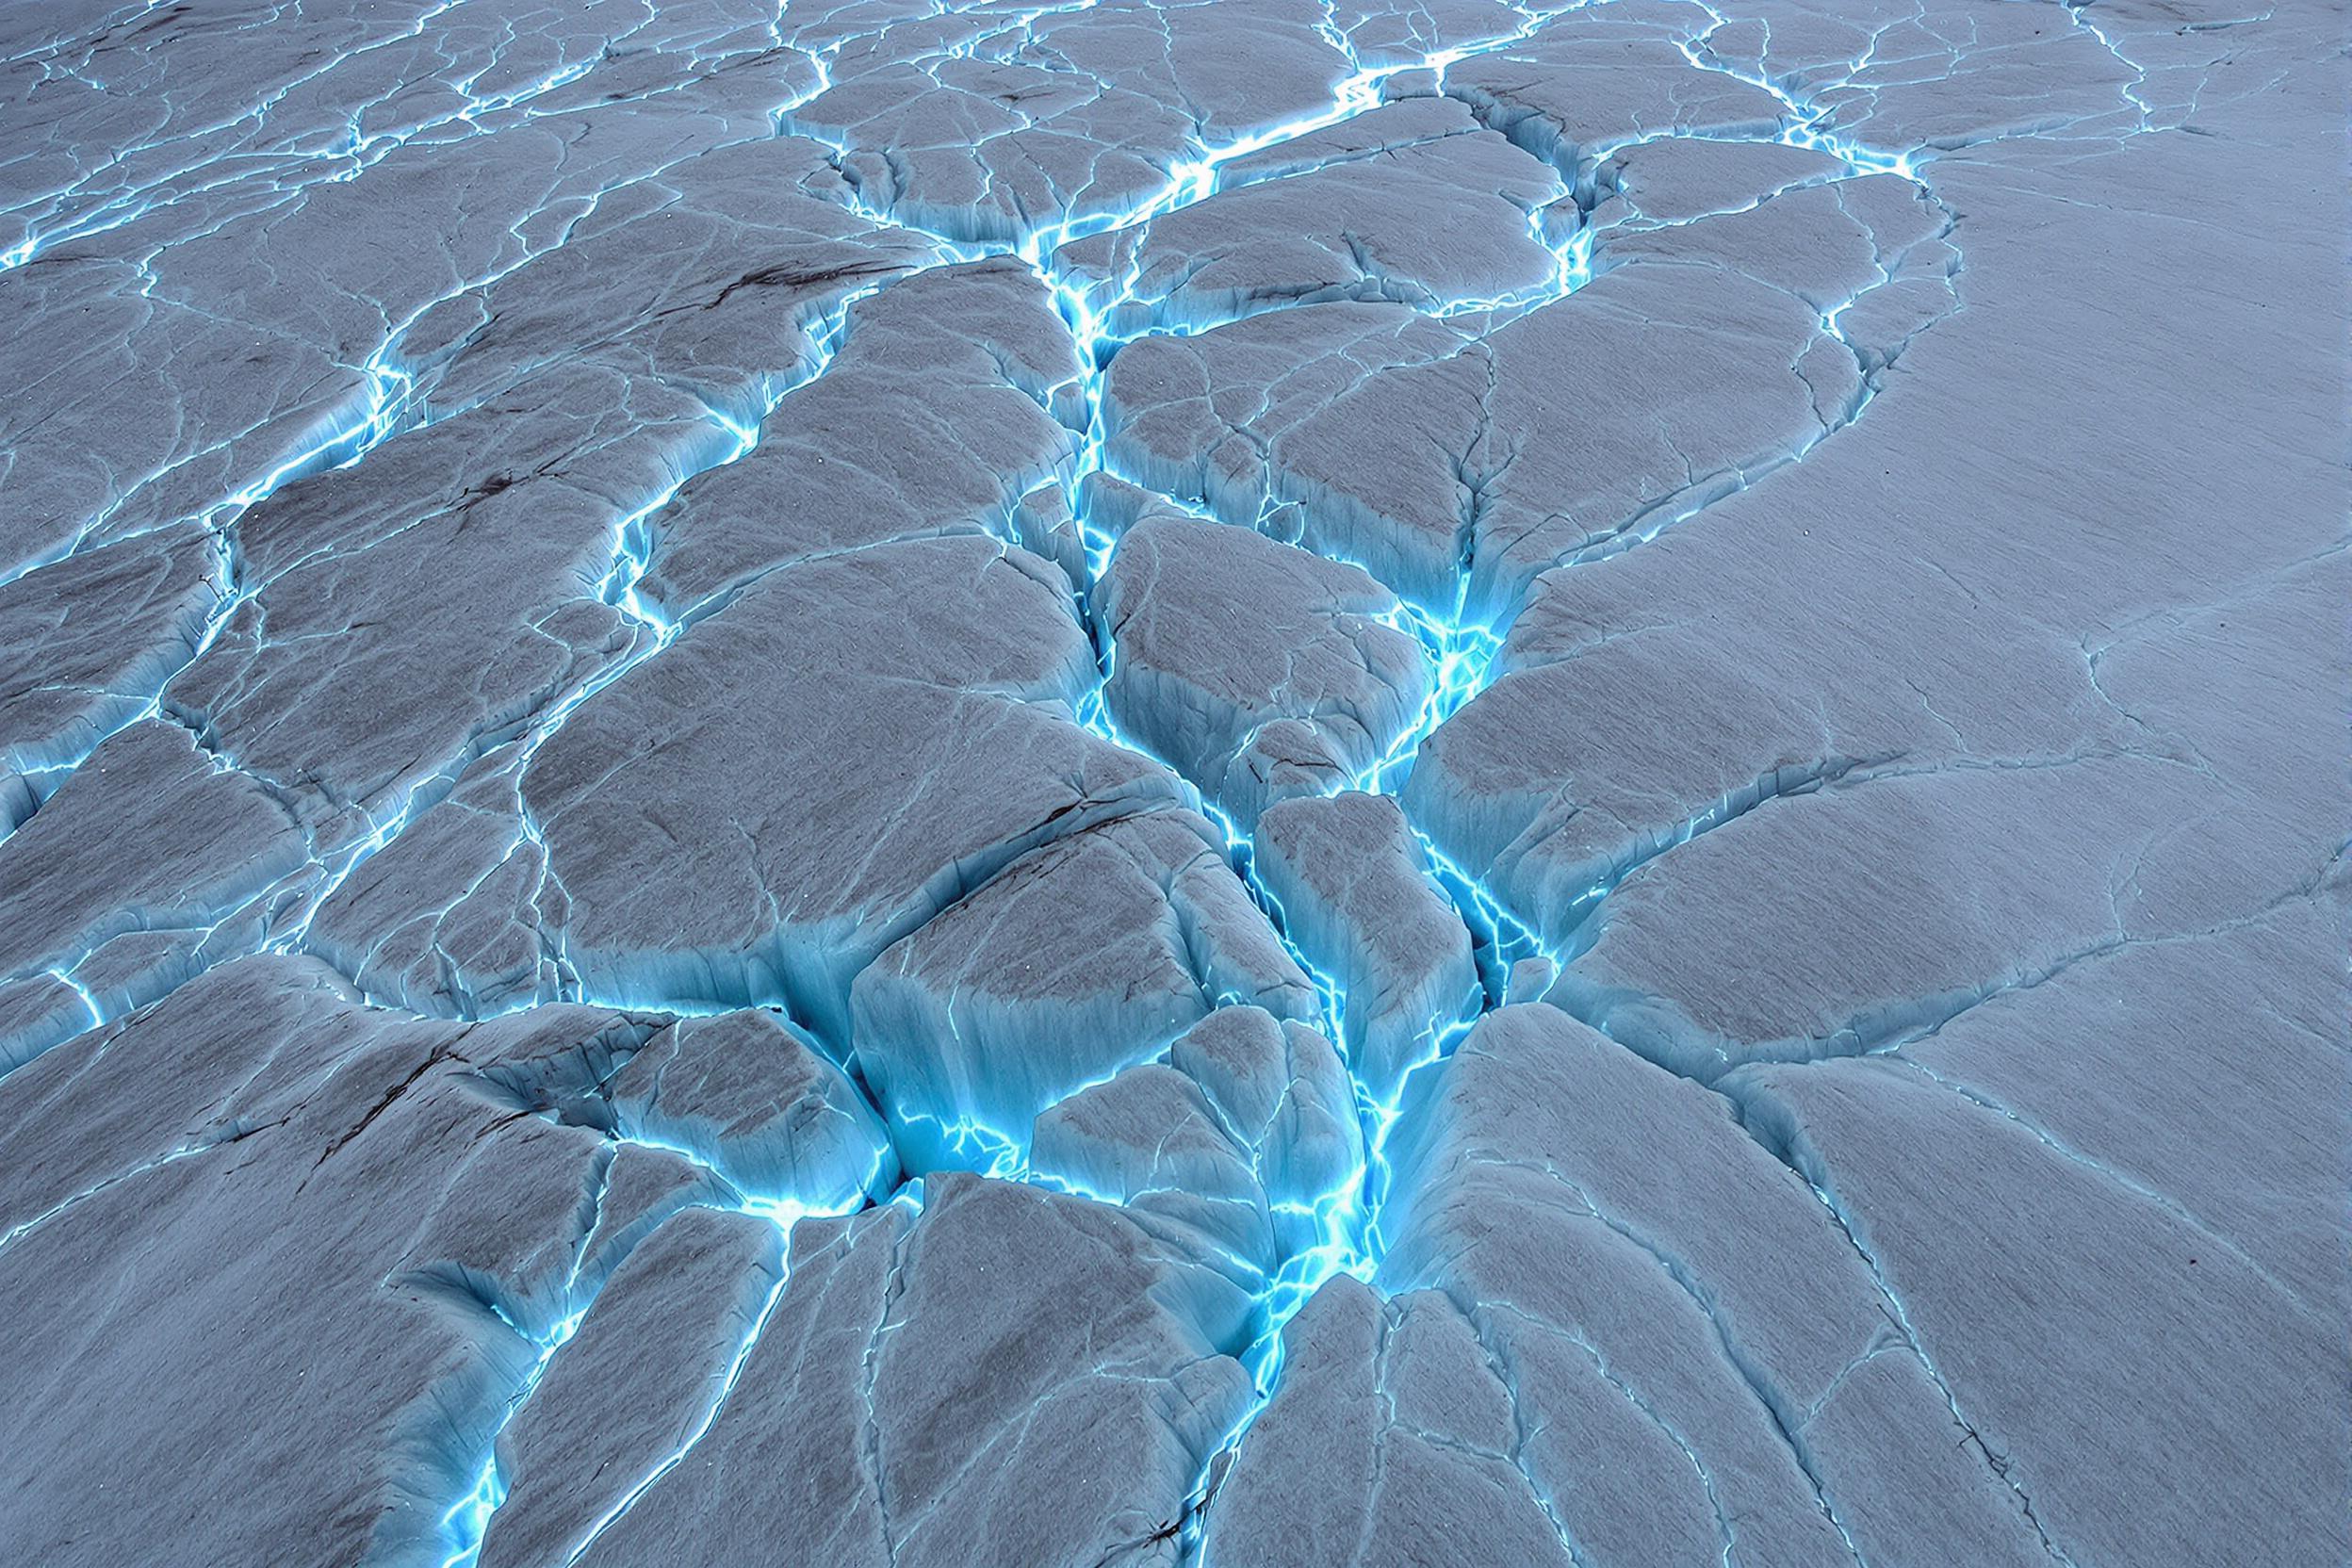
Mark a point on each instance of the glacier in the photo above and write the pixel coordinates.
(1173, 783)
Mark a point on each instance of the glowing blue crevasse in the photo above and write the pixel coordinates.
(1347, 1220)
(467, 1522)
(261, 173)
(1343, 1221)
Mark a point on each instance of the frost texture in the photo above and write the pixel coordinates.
(1262, 785)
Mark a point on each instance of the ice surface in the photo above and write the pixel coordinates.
(1065, 783)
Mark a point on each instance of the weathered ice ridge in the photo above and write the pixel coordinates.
(1275, 784)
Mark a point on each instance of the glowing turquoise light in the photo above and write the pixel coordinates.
(467, 1522)
(1347, 1221)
